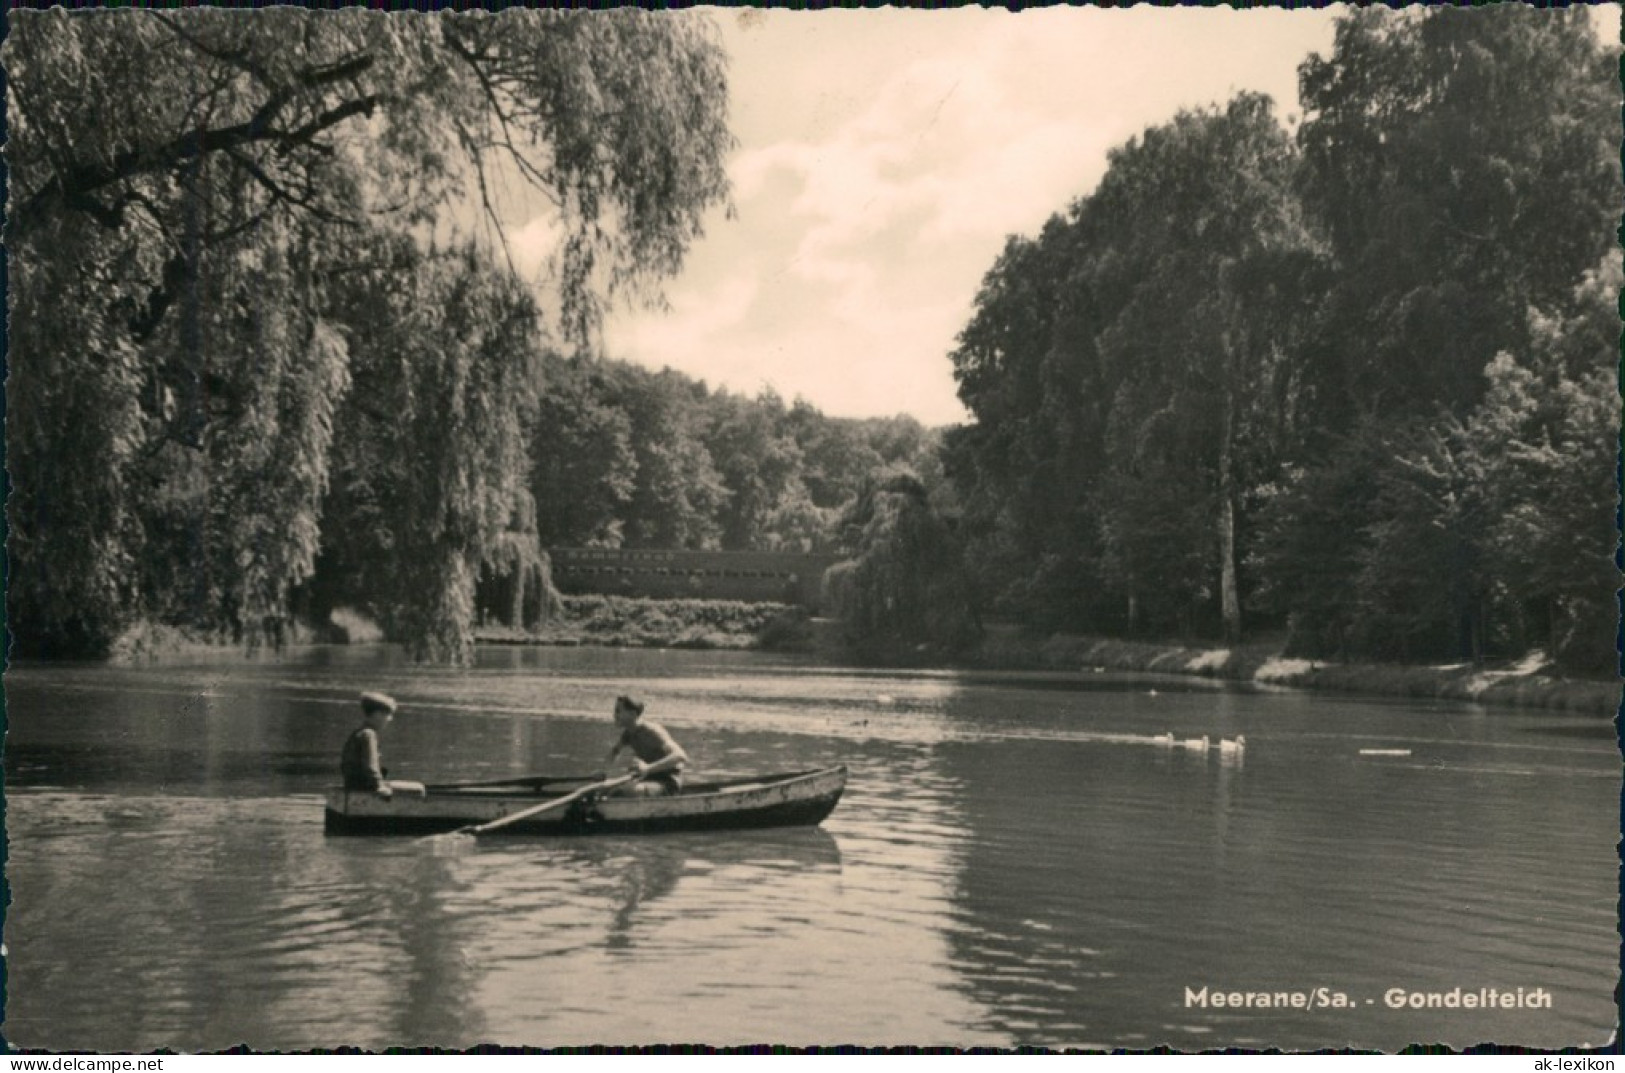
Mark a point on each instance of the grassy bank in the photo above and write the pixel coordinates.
(711, 624)
(606, 621)
(1527, 683)
(623, 622)
(151, 642)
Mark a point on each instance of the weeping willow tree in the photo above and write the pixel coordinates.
(904, 589)
(430, 478)
(516, 583)
(167, 467)
(237, 364)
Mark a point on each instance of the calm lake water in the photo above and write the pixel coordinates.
(1017, 862)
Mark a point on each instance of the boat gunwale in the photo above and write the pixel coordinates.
(533, 788)
(788, 799)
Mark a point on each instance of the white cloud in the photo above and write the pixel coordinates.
(534, 245)
(885, 156)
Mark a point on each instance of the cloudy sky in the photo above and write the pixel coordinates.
(884, 157)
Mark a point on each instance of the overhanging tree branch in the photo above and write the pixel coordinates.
(74, 185)
(281, 193)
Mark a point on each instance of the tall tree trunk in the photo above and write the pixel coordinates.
(1229, 600)
(516, 610)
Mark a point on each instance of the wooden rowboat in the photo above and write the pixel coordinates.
(800, 798)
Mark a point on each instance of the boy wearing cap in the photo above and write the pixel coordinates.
(360, 761)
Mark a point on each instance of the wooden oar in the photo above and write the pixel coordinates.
(547, 806)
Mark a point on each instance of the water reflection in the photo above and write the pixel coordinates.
(621, 940)
(405, 904)
(1105, 874)
(1014, 862)
(263, 932)
(1595, 730)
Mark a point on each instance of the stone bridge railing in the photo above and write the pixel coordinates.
(753, 576)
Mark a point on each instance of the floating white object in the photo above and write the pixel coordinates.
(1233, 748)
(1164, 740)
(1195, 744)
(1385, 752)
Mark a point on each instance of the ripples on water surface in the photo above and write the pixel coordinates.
(1017, 862)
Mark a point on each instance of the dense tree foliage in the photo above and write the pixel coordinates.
(626, 457)
(1464, 172)
(1359, 383)
(428, 482)
(903, 590)
(582, 465)
(1356, 380)
(1207, 246)
(1130, 379)
(1462, 166)
(231, 349)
